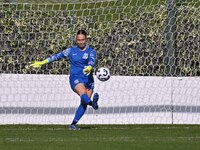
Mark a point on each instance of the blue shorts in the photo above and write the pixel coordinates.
(87, 81)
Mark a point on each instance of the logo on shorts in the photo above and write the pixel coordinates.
(85, 56)
(76, 81)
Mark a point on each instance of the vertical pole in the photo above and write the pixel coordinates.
(73, 25)
(12, 2)
(172, 102)
(170, 39)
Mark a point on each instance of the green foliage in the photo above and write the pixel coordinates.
(129, 36)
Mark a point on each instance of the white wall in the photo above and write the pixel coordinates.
(48, 99)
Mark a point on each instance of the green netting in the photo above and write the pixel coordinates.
(129, 35)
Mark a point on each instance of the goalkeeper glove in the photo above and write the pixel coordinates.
(87, 70)
(38, 64)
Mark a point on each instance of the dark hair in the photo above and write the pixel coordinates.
(82, 32)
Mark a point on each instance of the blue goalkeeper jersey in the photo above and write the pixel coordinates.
(78, 59)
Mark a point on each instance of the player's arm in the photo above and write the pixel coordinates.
(55, 57)
(92, 58)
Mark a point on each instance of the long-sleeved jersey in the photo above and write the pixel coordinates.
(78, 59)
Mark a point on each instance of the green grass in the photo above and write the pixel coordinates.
(100, 137)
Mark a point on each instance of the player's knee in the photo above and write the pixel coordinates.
(80, 89)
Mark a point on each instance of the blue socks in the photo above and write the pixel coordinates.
(85, 100)
(79, 113)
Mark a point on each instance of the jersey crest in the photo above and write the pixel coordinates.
(85, 56)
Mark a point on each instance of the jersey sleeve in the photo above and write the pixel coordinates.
(92, 58)
(65, 53)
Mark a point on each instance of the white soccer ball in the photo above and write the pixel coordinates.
(103, 74)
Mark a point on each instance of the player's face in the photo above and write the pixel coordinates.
(81, 41)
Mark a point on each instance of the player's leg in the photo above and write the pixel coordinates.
(81, 90)
(94, 103)
(84, 93)
(90, 89)
(89, 92)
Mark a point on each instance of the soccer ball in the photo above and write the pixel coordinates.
(103, 74)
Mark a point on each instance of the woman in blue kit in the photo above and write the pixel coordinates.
(82, 60)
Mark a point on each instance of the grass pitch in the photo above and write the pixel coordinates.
(100, 137)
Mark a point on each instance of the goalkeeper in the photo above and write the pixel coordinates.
(82, 59)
